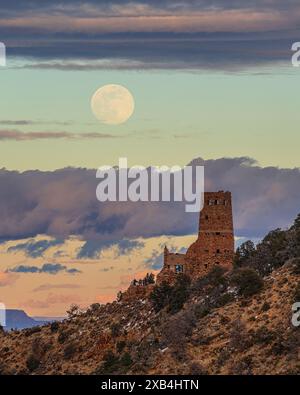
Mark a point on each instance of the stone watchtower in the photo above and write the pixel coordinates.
(214, 245)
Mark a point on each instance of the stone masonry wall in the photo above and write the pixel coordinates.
(214, 245)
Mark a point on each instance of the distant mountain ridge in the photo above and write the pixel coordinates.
(18, 319)
(48, 319)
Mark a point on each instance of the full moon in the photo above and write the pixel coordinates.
(112, 104)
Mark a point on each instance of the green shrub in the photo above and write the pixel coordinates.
(115, 329)
(201, 310)
(265, 307)
(297, 293)
(63, 336)
(119, 296)
(54, 326)
(126, 361)
(173, 297)
(70, 350)
(243, 254)
(179, 294)
(73, 311)
(263, 336)
(296, 266)
(196, 369)
(32, 362)
(39, 347)
(177, 332)
(31, 331)
(4, 370)
(223, 356)
(120, 346)
(294, 244)
(239, 339)
(214, 278)
(242, 367)
(224, 299)
(247, 280)
(112, 364)
(94, 308)
(160, 296)
(149, 279)
(287, 345)
(272, 252)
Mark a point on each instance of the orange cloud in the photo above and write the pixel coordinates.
(7, 279)
(105, 298)
(51, 300)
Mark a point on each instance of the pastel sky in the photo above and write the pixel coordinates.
(211, 80)
(69, 278)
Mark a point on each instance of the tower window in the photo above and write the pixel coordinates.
(218, 251)
(206, 217)
(178, 268)
(206, 265)
(218, 233)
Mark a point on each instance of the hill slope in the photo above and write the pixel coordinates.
(221, 332)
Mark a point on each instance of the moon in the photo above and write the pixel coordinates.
(112, 104)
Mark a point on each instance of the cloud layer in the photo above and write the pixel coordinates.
(35, 249)
(7, 279)
(63, 203)
(17, 135)
(92, 248)
(226, 34)
(49, 268)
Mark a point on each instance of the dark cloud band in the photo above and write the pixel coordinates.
(17, 135)
(200, 34)
(63, 203)
(49, 268)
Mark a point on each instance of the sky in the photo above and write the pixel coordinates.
(212, 82)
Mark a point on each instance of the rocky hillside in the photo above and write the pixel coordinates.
(237, 322)
(217, 334)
